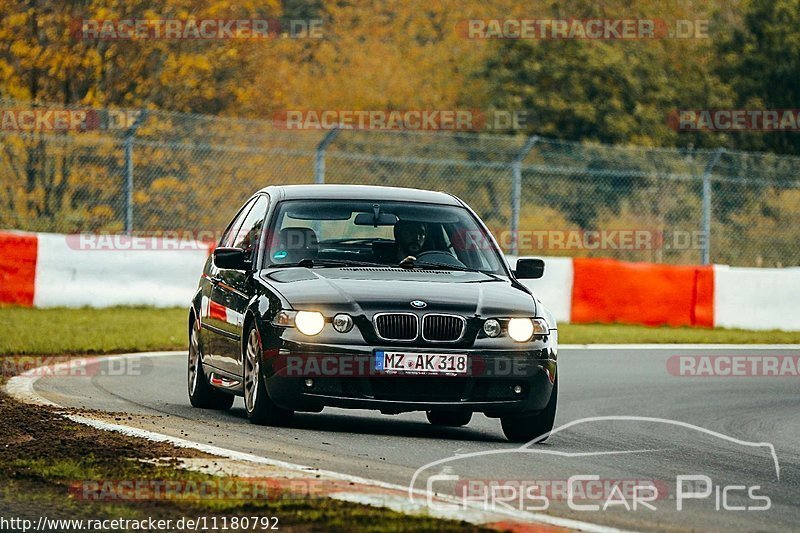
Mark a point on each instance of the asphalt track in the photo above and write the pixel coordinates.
(730, 415)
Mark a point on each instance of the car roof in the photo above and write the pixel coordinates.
(358, 192)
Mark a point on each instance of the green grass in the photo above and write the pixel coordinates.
(80, 331)
(121, 329)
(626, 334)
(47, 480)
(61, 469)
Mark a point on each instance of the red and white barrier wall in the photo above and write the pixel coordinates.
(47, 270)
(757, 298)
(50, 270)
(586, 290)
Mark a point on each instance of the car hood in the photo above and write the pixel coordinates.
(370, 290)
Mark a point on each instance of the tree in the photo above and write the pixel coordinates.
(760, 58)
(44, 57)
(616, 91)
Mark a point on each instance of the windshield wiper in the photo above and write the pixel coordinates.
(424, 265)
(311, 263)
(334, 263)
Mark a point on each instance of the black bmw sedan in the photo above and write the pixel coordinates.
(370, 298)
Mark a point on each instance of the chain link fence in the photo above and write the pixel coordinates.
(140, 171)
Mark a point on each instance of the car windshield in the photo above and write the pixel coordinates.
(336, 233)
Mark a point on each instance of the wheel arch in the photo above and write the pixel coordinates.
(248, 320)
(253, 315)
(192, 318)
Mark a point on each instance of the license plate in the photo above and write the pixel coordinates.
(420, 363)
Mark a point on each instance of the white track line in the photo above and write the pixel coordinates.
(22, 388)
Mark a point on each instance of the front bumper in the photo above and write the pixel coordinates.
(497, 382)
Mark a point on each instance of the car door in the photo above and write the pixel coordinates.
(234, 288)
(214, 317)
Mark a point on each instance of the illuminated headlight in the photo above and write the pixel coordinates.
(522, 329)
(492, 327)
(307, 322)
(342, 323)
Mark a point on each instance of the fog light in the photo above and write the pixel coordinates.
(342, 323)
(517, 389)
(309, 383)
(492, 327)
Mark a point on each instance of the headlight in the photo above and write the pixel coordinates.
(492, 327)
(522, 329)
(307, 322)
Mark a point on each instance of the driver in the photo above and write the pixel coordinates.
(410, 237)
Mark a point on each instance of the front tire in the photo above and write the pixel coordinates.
(261, 410)
(201, 393)
(527, 428)
(449, 418)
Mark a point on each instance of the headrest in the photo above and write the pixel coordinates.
(407, 225)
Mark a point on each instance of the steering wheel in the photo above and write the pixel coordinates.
(437, 256)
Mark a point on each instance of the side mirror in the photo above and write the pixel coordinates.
(529, 269)
(230, 258)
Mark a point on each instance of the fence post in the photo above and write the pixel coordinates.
(516, 191)
(130, 133)
(712, 162)
(319, 160)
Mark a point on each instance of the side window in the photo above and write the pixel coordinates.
(230, 234)
(249, 234)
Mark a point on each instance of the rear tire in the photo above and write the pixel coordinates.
(449, 418)
(261, 410)
(526, 428)
(201, 393)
